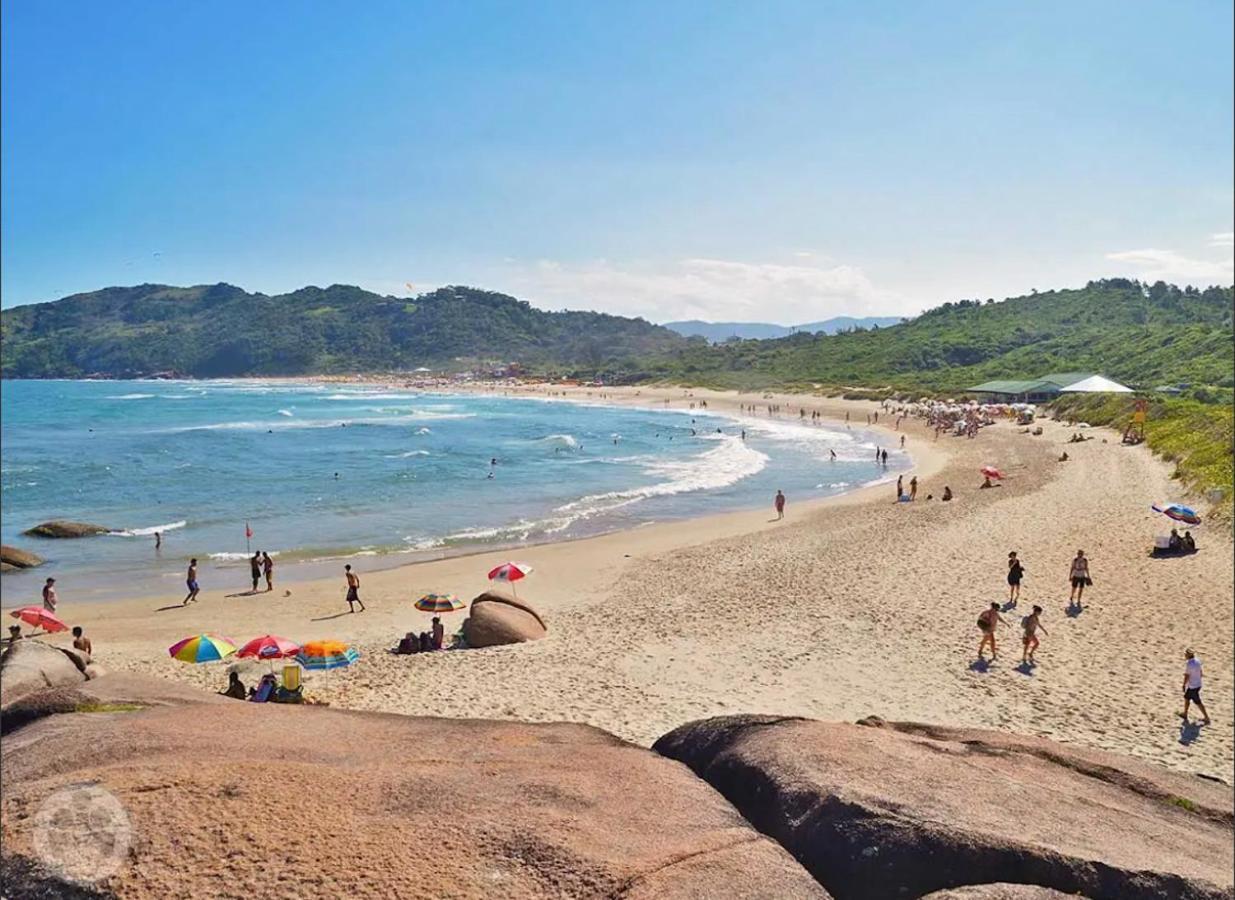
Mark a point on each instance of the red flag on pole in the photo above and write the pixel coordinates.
(248, 532)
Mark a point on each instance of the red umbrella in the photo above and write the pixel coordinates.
(39, 617)
(991, 472)
(510, 572)
(269, 647)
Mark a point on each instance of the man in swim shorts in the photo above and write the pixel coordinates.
(255, 569)
(191, 582)
(353, 589)
(1192, 686)
(779, 503)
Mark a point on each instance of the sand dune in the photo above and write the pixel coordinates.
(850, 607)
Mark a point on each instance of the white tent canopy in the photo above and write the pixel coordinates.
(1096, 384)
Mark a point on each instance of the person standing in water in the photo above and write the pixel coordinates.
(158, 540)
(268, 570)
(191, 582)
(885, 457)
(1015, 572)
(1031, 624)
(353, 589)
(833, 455)
(779, 503)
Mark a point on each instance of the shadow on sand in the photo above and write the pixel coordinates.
(980, 664)
(1189, 732)
(334, 616)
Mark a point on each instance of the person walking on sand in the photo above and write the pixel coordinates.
(900, 487)
(1192, 686)
(255, 569)
(1079, 576)
(49, 595)
(191, 582)
(353, 589)
(268, 570)
(1031, 624)
(1015, 573)
(987, 623)
(913, 488)
(779, 503)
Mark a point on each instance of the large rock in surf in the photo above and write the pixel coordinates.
(63, 528)
(496, 619)
(262, 800)
(15, 558)
(28, 666)
(879, 810)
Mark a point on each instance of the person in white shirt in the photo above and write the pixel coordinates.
(1192, 686)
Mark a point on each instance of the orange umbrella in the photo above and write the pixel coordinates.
(40, 618)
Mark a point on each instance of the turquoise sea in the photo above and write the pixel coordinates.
(324, 472)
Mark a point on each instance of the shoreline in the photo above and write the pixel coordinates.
(852, 606)
(299, 567)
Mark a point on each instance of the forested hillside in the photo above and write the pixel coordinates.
(221, 330)
(1144, 335)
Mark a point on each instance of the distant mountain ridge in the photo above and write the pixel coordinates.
(717, 332)
(221, 331)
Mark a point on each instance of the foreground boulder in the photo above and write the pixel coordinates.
(496, 619)
(879, 810)
(1000, 892)
(28, 666)
(16, 558)
(63, 528)
(262, 800)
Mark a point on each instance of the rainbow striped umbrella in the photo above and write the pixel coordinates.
(1178, 512)
(326, 655)
(202, 648)
(439, 603)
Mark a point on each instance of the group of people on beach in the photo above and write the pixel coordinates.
(990, 619)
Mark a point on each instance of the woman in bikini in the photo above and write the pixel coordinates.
(1031, 624)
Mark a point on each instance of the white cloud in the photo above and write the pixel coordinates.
(712, 289)
(1222, 239)
(1152, 264)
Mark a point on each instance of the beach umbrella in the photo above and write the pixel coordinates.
(1178, 512)
(991, 472)
(202, 648)
(38, 616)
(510, 572)
(269, 647)
(439, 603)
(326, 655)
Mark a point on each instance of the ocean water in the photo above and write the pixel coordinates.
(325, 472)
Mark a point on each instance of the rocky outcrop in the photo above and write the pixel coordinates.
(1001, 892)
(879, 810)
(496, 619)
(265, 800)
(15, 558)
(28, 666)
(63, 528)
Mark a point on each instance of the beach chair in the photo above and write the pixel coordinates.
(264, 690)
(290, 691)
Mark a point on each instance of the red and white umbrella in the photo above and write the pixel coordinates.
(270, 647)
(991, 472)
(40, 618)
(510, 572)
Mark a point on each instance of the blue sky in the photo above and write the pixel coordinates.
(781, 161)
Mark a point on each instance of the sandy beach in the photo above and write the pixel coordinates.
(852, 606)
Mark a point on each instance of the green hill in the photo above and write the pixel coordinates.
(1144, 335)
(221, 330)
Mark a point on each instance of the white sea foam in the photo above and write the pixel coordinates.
(286, 412)
(407, 454)
(370, 395)
(131, 397)
(559, 440)
(145, 532)
(284, 424)
(424, 430)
